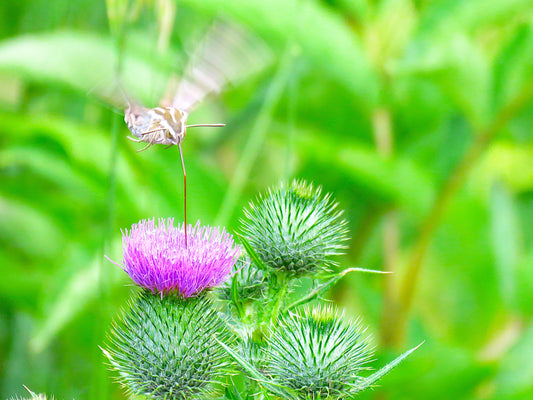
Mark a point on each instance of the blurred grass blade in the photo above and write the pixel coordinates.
(80, 290)
(505, 241)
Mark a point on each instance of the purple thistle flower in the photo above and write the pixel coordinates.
(156, 258)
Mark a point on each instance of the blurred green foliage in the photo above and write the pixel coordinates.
(416, 114)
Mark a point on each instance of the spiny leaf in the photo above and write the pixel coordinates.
(256, 375)
(369, 381)
(324, 287)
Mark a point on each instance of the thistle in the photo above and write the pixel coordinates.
(295, 229)
(315, 354)
(167, 347)
(158, 258)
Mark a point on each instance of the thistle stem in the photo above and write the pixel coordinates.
(278, 290)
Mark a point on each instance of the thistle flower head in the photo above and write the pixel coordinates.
(156, 256)
(295, 229)
(315, 353)
(168, 347)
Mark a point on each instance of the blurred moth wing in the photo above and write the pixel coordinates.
(227, 55)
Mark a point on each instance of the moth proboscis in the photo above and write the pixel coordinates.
(227, 54)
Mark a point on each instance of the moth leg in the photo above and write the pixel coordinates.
(148, 145)
(145, 147)
(133, 139)
(169, 146)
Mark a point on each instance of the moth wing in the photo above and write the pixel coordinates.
(114, 94)
(228, 54)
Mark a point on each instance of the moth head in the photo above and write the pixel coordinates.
(132, 115)
(129, 116)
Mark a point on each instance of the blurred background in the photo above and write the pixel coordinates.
(416, 115)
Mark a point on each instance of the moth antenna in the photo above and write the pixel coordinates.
(207, 125)
(184, 191)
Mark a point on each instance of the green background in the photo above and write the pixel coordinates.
(416, 115)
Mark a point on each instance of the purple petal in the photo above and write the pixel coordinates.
(155, 256)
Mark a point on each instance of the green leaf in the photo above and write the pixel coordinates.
(82, 288)
(323, 37)
(399, 180)
(251, 253)
(513, 65)
(256, 375)
(465, 15)
(68, 58)
(370, 380)
(324, 287)
(460, 69)
(235, 296)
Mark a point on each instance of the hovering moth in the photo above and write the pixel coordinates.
(227, 55)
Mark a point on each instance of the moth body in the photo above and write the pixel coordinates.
(160, 125)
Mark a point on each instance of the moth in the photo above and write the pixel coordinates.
(226, 55)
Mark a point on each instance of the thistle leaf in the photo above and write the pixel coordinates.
(251, 252)
(324, 287)
(256, 375)
(369, 381)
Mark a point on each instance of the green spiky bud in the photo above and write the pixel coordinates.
(34, 396)
(167, 348)
(316, 354)
(250, 283)
(295, 228)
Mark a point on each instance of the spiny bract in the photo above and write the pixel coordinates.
(316, 354)
(295, 229)
(166, 347)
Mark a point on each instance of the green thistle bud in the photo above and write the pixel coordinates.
(250, 281)
(33, 396)
(316, 354)
(295, 229)
(166, 347)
